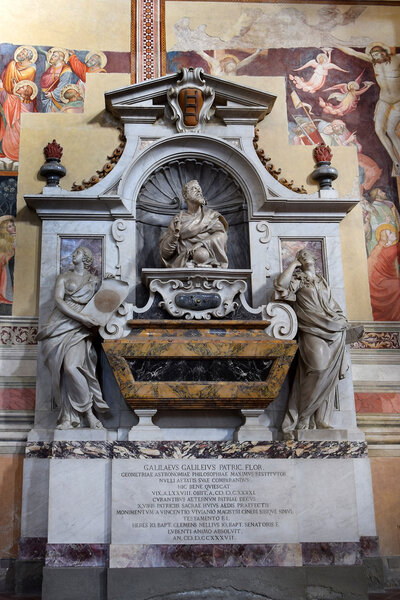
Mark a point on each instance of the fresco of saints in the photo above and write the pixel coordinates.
(376, 212)
(348, 96)
(321, 65)
(337, 134)
(21, 68)
(56, 76)
(22, 100)
(72, 96)
(94, 63)
(387, 111)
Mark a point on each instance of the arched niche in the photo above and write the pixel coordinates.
(153, 186)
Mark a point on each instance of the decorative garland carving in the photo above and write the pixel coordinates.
(266, 161)
(107, 168)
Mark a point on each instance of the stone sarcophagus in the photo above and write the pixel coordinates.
(199, 365)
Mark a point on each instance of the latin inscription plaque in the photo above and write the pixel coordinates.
(203, 501)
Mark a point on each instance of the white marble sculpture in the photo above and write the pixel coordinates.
(67, 346)
(321, 338)
(196, 238)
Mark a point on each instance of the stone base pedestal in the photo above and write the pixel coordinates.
(329, 435)
(28, 576)
(252, 428)
(145, 429)
(75, 584)
(266, 583)
(131, 512)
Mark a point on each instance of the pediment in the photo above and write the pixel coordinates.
(149, 100)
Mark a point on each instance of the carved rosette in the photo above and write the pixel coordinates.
(191, 101)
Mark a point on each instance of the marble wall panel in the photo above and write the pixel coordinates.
(32, 548)
(374, 373)
(326, 502)
(76, 555)
(364, 498)
(35, 503)
(243, 555)
(211, 555)
(79, 501)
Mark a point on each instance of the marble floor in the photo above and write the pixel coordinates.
(13, 597)
(393, 594)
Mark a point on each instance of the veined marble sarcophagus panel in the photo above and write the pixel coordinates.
(199, 365)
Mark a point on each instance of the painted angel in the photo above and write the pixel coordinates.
(321, 65)
(347, 96)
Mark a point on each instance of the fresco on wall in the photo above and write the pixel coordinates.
(37, 79)
(8, 203)
(48, 80)
(342, 87)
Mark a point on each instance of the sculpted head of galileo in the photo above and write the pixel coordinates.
(193, 194)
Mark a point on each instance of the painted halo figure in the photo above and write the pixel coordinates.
(67, 346)
(383, 274)
(322, 337)
(196, 237)
(7, 251)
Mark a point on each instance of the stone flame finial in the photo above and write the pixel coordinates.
(324, 173)
(322, 153)
(52, 170)
(53, 151)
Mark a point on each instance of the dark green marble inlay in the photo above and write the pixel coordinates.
(203, 369)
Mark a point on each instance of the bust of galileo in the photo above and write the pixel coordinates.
(196, 238)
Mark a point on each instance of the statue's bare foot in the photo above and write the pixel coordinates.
(322, 425)
(93, 422)
(303, 424)
(64, 425)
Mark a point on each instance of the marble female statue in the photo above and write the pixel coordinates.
(321, 339)
(196, 237)
(67, 346)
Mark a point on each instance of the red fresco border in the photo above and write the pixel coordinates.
(386, 403)
(17, 398)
